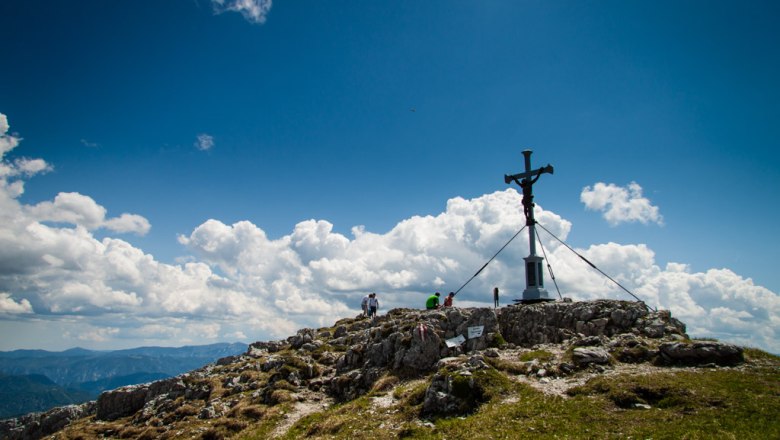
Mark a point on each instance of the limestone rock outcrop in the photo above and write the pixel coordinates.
(36, 425)
(128, 400)
(555, 322)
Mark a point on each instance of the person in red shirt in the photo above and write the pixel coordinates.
(448, 299)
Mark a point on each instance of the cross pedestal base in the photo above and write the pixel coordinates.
(534, 281)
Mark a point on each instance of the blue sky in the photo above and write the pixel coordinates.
(277, 161)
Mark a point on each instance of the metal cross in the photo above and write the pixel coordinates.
(534, 281)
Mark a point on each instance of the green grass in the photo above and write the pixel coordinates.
(506, 366)
(685, 404)
(272, 418)
(497, 341)
(755, 354)
(541, 355)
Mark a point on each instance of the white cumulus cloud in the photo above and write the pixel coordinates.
(7, 142)
(11, 307)
(620, 204)
(81, 210)
(31, 167)
(254, 11)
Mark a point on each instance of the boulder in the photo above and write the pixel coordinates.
(700, 353)
(424, 351)
(126, 401)
(303, 336)
(258, 349)
(340, 331)
(454, 389)
(584, 356)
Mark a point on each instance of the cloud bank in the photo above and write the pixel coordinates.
(620, 205)
(57, 277)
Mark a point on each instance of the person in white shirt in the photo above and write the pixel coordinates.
(364, 305)
(373, 305)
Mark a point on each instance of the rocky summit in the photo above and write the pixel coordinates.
(449, 356)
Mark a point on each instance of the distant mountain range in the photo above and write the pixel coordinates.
(37, 380)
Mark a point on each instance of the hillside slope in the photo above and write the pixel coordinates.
(602, 369)
(29, 393)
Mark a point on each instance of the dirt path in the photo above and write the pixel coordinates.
(311, 404)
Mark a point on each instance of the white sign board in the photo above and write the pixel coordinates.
(475, 332)
(454, 342)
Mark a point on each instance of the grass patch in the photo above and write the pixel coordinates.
(540, 355)
(754, 354)
(284, 385)
(497, 341)
(322, 349)
(475, 389)
(411, 392)
(280, 396)
(385, 383)
(628, 392)
(346, 420)
(270, 420)
(506, 366)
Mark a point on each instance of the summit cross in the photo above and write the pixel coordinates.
(534, 280)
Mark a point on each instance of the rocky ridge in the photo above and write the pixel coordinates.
(451, 349)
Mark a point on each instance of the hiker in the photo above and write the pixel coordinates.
(373, 305)
(364, 304)
(495, 297)
(433, 301)
(448, 299)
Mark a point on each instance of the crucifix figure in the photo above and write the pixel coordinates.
(534, 282)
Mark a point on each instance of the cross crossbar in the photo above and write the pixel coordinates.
(509, 179)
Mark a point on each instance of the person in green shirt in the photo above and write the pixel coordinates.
(433, 301)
